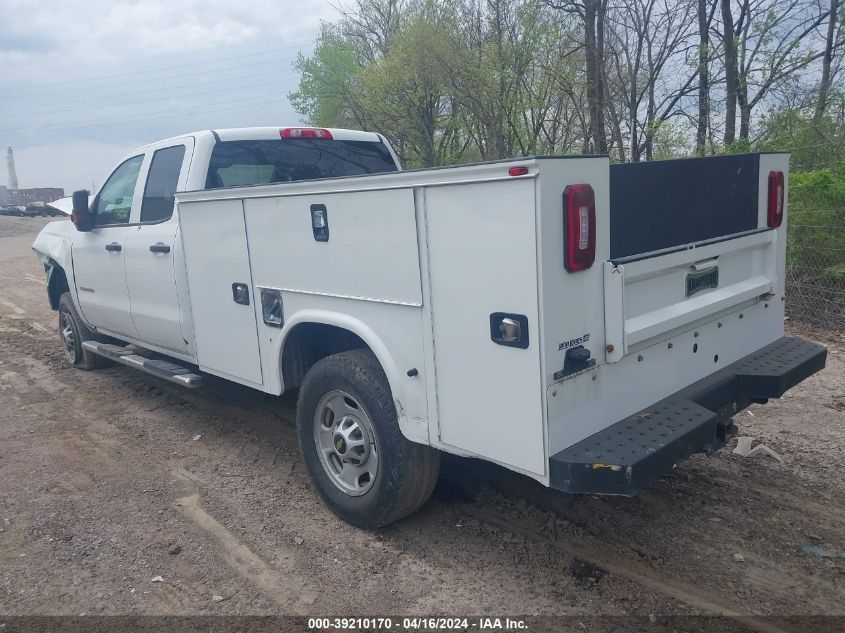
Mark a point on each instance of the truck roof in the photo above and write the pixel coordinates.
(272, 133)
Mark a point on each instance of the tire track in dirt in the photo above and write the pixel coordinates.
(765, 573)
(637, 573)
(279, 587)
(96, 449)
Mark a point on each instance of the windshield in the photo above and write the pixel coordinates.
(236, 163)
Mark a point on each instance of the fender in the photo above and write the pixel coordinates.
(413, 427)
(53, 242)
(52, 246)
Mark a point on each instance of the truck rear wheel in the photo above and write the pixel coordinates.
(72, 331)
(364, 468)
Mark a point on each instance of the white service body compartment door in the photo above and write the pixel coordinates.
(371, 252)
(216, 257)
(483, 259)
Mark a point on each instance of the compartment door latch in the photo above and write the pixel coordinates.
(577, 359)
(510, 330)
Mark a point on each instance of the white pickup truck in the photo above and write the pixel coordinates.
(588, 325)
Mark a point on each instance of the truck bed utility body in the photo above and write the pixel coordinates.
(587, 325)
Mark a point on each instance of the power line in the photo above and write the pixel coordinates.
(154, 79)
(153, 70)
(138, 118)
(175, 95)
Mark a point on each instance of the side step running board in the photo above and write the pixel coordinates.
(161, 368)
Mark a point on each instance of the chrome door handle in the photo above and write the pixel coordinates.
(114, 247)
(159, 247)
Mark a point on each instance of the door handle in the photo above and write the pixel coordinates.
(159, 247)
(114, 247)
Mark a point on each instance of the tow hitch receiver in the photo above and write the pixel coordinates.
(627, 456)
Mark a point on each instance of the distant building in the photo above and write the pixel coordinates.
(4, 194)
(24, 197)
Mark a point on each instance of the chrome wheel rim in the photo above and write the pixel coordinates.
(346, 443)
(68, 337)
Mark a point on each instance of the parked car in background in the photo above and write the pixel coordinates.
(15, 211)
(36, 209)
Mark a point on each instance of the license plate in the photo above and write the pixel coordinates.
(699, 280)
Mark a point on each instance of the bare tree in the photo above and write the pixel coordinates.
(830, 46)
(729, 35)
(372, 24)
(705, 12)
(775, 43)
(651, 39)
(592, 14)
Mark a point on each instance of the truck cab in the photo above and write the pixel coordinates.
(127, 276)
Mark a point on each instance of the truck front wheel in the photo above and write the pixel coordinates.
(72, 331)
(363, 467)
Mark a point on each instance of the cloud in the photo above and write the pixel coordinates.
(79, 38)
(84, 81)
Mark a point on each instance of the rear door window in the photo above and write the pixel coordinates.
(235, 163)
(162, 181)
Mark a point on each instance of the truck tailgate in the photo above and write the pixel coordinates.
(689, 240)
(653, 297)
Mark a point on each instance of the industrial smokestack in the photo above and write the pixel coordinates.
(10, 165)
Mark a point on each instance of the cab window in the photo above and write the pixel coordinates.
(114, 202)
(235, 163)
(162, 181)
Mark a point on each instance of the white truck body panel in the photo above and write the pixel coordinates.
(353, 263)
(415, 265)
(488, 396)
(488, 243)
(151, 278)
(107, 305)
(227, 344)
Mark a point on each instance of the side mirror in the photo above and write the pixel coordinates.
(81, 216)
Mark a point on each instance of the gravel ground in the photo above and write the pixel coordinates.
(124, 494)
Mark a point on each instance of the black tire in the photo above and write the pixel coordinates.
(74, 352)
(407, 471)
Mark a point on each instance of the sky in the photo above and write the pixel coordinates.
(83, 82)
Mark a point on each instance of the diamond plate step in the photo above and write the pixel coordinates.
(771, 371)
(625, 457)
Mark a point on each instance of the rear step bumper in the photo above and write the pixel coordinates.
(627, 456)
(171, 372)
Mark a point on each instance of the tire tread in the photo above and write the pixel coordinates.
(88, 360)
(413, 476)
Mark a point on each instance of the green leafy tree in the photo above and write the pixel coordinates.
(329, 92)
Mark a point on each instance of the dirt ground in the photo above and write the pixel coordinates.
(112, 479)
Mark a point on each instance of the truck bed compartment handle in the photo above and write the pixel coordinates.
(159, 247)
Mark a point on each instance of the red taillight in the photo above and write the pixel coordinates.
(776, 192)
(518, 171)
(306, 132)
(579, 227)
